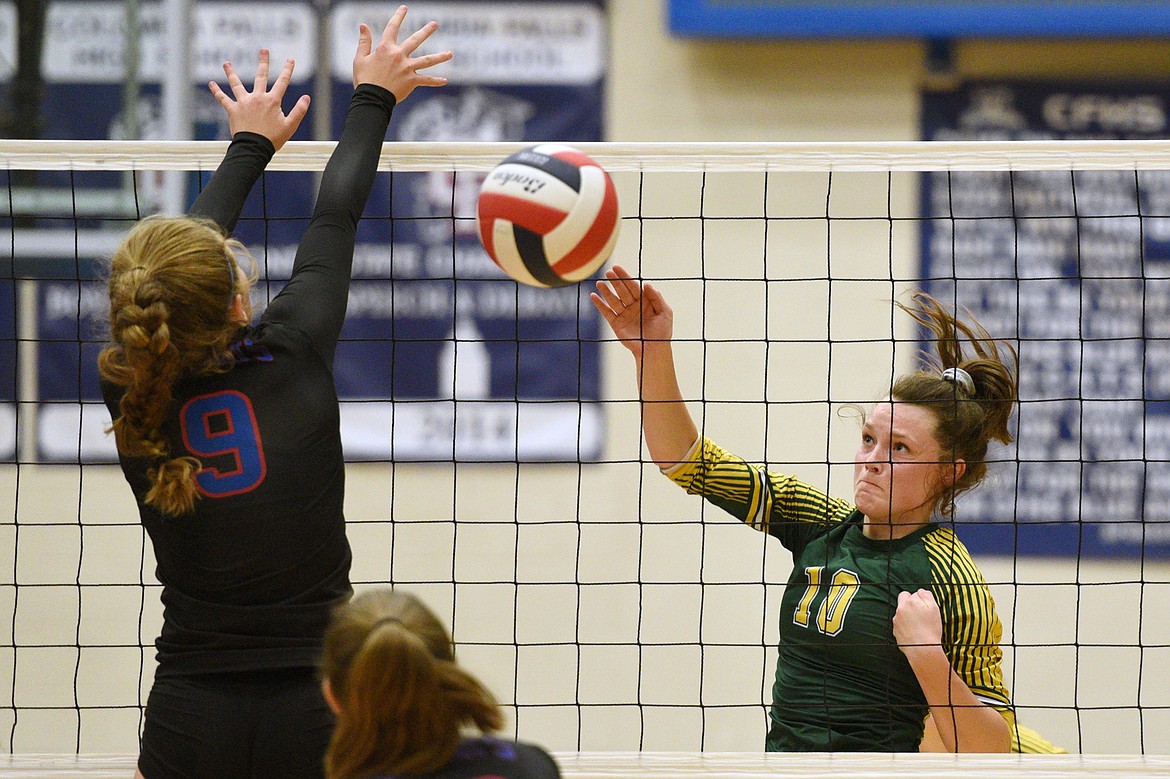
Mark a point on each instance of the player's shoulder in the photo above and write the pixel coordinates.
(286, 338)
(538, 763)
(949, 558)
(274, 343)
(510, 759)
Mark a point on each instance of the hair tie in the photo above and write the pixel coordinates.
(960, 378)
(386, 621)
(139, 267)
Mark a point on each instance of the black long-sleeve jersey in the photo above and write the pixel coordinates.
(249, 577)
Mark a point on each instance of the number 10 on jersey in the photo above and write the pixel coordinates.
(835, 599)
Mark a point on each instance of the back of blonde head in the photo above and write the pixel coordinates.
(172, 283)
(403, 700)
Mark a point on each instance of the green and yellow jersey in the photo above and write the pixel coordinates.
(842, 683)
(1026, 741)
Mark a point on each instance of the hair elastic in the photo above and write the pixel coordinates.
(232, 265)
(961, 379)
(386, 621)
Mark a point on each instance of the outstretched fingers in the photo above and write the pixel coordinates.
(411, 44)
(298, 112)
(260, 110)
(605, 294)
(390, 33)
(652, 299)
(390, 65)
(233, 79)
(284, 79)
(428, 61)
(602, 307)
(625, 286)
(261, 83)
(365, 41)
(219, 95)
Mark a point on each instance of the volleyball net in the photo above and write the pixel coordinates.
(496, 465)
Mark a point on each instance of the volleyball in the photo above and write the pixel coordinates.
(548, 215)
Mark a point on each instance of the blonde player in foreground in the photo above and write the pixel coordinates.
(885, 618)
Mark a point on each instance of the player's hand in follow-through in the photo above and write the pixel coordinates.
(260, 110)
(917, 622)
(389, 64)
(637, 313)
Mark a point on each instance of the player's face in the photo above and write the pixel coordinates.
(897, 473)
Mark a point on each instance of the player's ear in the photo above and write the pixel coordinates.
(330, 698)
(238, 313)
(955, 472)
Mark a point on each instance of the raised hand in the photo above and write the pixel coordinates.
(637, 313)
(260, 111)
(389, 64)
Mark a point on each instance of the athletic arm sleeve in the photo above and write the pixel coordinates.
(223, 198)
(971, 628)
(777, 504)
(315, 297)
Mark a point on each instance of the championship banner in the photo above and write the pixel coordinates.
(431, 320)
(1077, 265)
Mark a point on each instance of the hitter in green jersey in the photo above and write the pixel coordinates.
(885, 618)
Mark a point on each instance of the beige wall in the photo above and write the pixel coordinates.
(664, 88)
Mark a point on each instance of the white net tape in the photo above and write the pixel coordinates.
(657, 157)
(719, 765)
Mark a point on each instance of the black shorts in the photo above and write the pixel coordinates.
(249, 725)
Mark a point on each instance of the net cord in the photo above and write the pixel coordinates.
(720, 765)
(663, 157)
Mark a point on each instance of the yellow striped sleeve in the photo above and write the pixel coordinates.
(1026, 741)
(971, 628)
(750, 492)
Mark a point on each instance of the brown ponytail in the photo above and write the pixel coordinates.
(969, 416)
(172, 282)
(403, 700)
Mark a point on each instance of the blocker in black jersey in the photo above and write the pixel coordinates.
(250, 573)
(249, 576)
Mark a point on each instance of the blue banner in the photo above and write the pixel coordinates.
(442, 355)
(918, 18)
(1076, 266)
